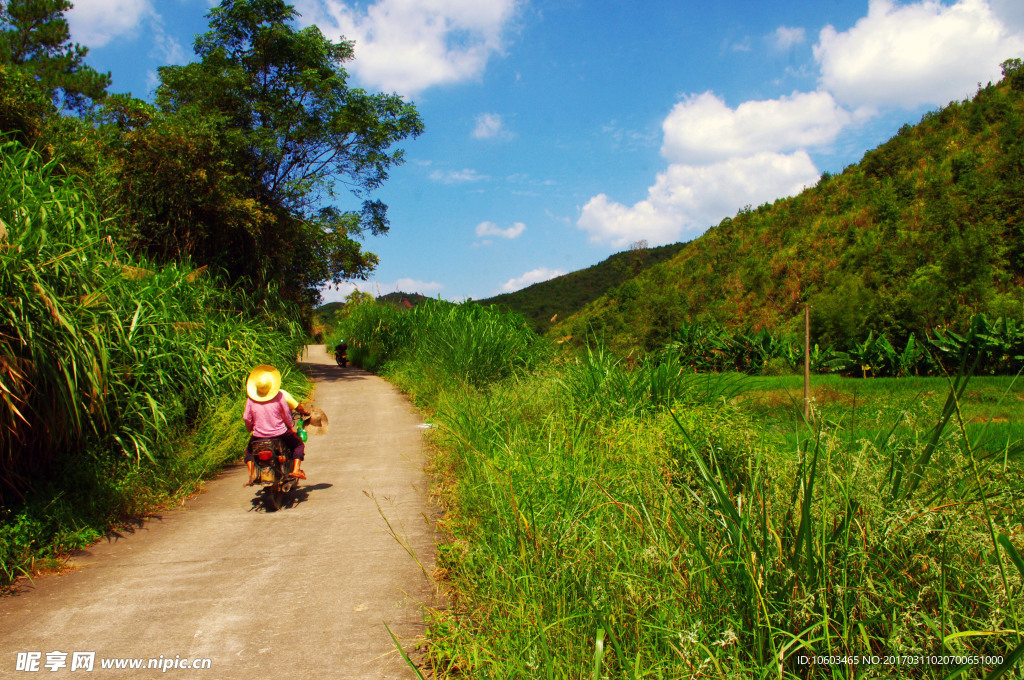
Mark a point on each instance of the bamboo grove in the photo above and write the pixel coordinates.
(105, 358)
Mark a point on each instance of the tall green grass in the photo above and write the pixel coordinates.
(614, 521)
(466, 343)
(106, 362)
(598, 382)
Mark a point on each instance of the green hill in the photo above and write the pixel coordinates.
(330, 309)
(400, 298)
(925, 231)
(567, 294)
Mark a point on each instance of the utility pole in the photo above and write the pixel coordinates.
(807, 362)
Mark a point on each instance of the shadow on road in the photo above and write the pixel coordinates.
(127, 526)
(329, 374)
(299, 495)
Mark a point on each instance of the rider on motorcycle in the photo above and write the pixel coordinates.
(267, 415)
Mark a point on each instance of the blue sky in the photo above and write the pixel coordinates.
(561, 131)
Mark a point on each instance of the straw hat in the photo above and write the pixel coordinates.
(263, 383)
(317, 421)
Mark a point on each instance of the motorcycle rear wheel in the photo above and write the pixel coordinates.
(274, 497)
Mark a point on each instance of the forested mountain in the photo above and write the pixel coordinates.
(400, 298)
(924, 232)
(565, 295)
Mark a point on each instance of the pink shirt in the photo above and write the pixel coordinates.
(269, 418)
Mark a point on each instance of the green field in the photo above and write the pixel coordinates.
(992, 407)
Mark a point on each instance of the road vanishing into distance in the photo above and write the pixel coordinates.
(304, 592)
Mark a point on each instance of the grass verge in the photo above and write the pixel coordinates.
(608, 522)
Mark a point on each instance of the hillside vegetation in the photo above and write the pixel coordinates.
(567, 294)
(924, 232)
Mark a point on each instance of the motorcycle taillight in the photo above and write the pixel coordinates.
(281, 459)
(264, 455)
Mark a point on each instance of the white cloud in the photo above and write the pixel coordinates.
(167, 49)
(721, 160)
(490, 126)
(916, 54)
(685, 199)
(409, 45)
(1010, 12)
(491, 229)
(529, 278)
(742, 45)
(702, 129)
(94, 23)
(786, 37)
(417, 286)
(454, 176)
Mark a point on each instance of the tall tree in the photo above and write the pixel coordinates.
(34, 35)
(292, 126)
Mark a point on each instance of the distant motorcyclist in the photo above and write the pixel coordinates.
(341, 352)
(267, 415)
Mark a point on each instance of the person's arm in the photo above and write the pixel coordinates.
(287, 412)
(293, 404)
(247, 416)
(290, 400)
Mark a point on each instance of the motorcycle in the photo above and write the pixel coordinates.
(341, 355)
(273, 462)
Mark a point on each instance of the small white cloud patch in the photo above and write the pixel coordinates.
(529, 278)
(490, 126)
(491, 229)
(787, 37)
(416, 286)
(457, 176)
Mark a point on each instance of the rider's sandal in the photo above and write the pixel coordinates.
(299, 475)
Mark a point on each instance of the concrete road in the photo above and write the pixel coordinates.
(299, 593)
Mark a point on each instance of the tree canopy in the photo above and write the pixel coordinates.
(34, 36)
(286, 91)
(239, 163)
